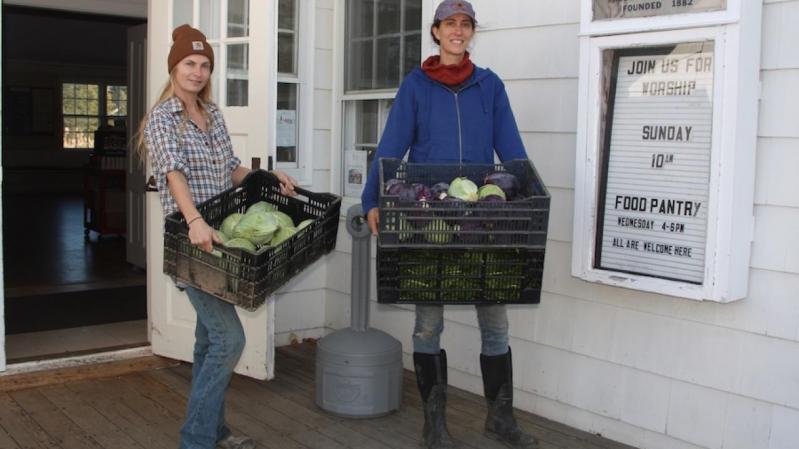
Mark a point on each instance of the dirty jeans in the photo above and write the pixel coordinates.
(493, 320)
(219, 340)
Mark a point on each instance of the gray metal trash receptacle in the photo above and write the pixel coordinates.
(359, 370)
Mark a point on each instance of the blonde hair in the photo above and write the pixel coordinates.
(204, 97)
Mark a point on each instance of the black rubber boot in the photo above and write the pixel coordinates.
(431, 377)
(498, 387)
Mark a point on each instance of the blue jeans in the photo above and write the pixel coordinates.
(493, 321)
(219, 340)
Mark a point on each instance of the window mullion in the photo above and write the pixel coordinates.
(401, 65)
(375, 15)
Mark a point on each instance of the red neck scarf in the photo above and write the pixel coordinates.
(450, 75)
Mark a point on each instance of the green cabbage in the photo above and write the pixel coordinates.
(463, 189)
(282, 235)
(240, 243)
(229, 223)
(490, 189)
(283, 219)
(304, 223)
(257, 227)
(261, 206)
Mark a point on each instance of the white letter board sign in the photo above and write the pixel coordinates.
(666, 134)
(653, 198)
(623, 9)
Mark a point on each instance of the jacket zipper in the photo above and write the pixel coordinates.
(460, 131)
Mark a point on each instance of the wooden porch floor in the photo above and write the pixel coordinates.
(143, 409)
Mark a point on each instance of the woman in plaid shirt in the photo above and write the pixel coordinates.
(192, 158)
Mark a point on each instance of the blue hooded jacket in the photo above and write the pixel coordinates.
(436, 124)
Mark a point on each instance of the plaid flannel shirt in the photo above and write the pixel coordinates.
(205, 159)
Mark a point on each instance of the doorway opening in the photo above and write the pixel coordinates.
(69, 287)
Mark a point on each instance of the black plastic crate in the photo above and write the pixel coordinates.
(459, 276)
(519, 223)
(240, 277)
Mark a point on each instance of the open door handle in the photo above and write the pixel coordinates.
(151, 186)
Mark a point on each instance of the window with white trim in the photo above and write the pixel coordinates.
(84, 106)
(226, 25)
(383, 44)
(287, 112)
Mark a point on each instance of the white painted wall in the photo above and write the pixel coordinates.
(300, 306)
(648, 370)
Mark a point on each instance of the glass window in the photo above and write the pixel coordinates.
(364, 121)
(210, 15)
(238, 18)
(287, 114)
(237, 74)
(287, 132)
(287, 37)
(383, 36)
(228, 35)
(116, 100)
(182, 12)
(383, 44)
(81, 113)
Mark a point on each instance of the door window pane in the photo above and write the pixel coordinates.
(238, 18)
(182, 12)
(237, 74)
(210, 16)
(287, 125)
(216, 80)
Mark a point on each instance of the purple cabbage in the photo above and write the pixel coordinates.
(404, 191)
(392, 182)
(440, 191)
(505, 181)
(422, 192)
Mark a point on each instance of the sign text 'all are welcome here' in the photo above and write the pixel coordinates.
(656, 173)
(622, 9)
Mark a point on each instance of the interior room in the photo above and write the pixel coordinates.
(70, 287)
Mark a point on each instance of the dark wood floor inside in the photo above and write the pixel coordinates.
(65, 294)
(144, 410)
(44, 250)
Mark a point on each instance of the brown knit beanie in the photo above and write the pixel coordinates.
(188, 41)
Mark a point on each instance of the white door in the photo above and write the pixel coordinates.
(2, 285)
(135, 249)
(170, 313)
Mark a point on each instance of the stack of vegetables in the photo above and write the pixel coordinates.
(446, 211)
(260, 227)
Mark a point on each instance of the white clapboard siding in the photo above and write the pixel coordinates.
(776, 181)
(300, 304)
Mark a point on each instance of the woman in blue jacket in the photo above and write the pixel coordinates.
(449, 110)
